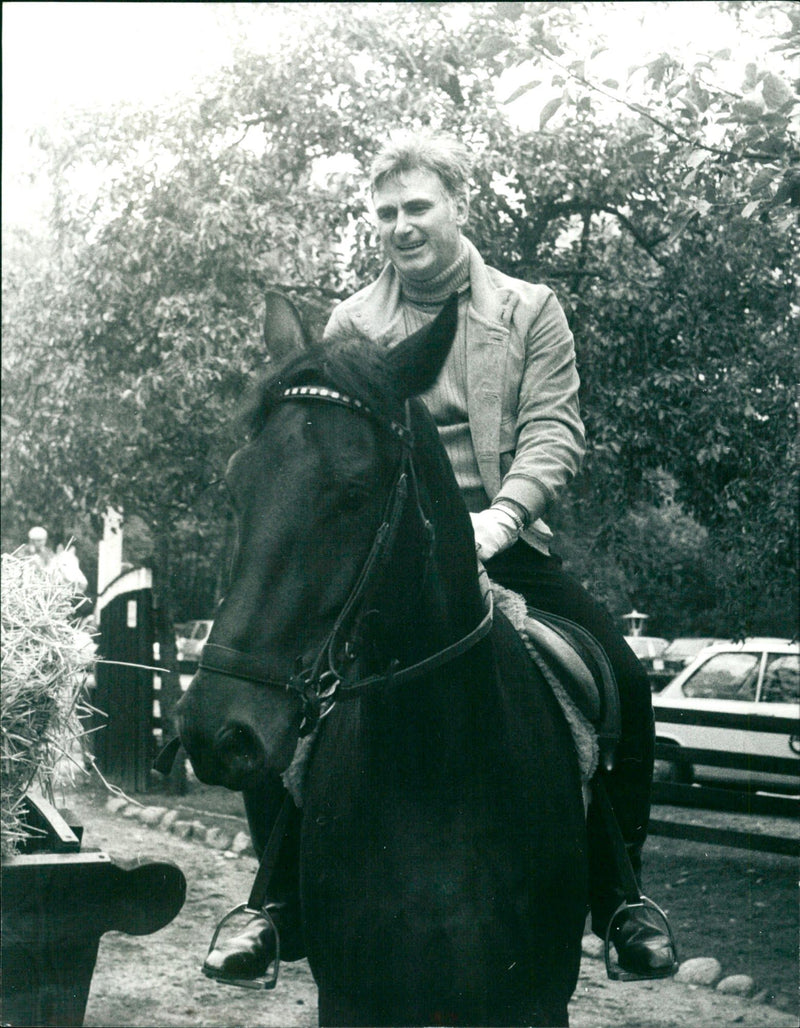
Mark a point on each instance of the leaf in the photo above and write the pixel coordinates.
(775, 91)
(750, 208)
(762, 180)
(548, 111)
(696, 158)
(522, 90)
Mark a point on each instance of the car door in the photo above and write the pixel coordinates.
(779, 697)
(725, 683)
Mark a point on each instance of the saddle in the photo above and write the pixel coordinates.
(577, 668)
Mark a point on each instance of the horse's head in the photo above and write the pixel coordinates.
(338, 494)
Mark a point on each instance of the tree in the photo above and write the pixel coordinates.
(666, 224)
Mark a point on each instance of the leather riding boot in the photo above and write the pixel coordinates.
(248, 954)
(642, 948)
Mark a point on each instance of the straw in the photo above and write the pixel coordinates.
(45, 665)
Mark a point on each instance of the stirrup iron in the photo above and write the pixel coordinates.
(267, 980)
(613, 969)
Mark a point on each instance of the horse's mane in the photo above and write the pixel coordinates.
(356, 367)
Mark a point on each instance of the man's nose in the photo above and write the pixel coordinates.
(402, 225)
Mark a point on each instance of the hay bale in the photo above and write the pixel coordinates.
(45, 664)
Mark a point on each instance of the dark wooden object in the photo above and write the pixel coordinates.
(56, 907)
(124, 747)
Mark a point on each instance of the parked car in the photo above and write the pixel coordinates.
(648, 648)
(190, 638)
(759, 676)
(678, 655)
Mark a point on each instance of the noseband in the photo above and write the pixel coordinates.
(322, 684)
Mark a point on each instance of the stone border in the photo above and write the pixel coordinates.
(707, 971)
(233, 845)
(698, 971)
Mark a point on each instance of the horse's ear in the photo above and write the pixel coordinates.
(284, 335)
(418, 359)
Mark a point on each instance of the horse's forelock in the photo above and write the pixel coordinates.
(356, 367)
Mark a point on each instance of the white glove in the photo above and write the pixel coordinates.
(495, 530)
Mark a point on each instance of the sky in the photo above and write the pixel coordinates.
(61, 55)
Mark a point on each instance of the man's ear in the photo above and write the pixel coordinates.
(418, 359)
(461, 204)
(284, 335)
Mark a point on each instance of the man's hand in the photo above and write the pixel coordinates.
(495, 530)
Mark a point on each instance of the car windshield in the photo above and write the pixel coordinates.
(781, 679)
(684, 649)
(725, 676)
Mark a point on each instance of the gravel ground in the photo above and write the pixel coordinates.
(155, 980)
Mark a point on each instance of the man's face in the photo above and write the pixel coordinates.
(419, 223)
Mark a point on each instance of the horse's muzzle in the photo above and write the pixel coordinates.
(231, 756)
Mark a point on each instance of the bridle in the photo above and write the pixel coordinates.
(323, 684)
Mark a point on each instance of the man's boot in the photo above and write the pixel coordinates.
(643, 949)
(248, 954)
(642, 941)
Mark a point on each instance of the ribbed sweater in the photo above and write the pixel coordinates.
(420, 302)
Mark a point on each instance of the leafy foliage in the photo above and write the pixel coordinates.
(660, 204)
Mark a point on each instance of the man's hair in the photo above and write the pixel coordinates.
(426, 151)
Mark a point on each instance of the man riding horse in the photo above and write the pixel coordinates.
(506, 406)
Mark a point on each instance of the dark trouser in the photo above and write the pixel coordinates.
(544, 584)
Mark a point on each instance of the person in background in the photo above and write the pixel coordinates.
(37, 546)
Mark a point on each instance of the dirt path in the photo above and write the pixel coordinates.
(154, 981)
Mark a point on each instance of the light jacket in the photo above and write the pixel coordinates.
(522, 382)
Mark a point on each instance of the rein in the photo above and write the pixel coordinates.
(321, 685)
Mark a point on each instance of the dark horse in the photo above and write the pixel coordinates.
(443, 855)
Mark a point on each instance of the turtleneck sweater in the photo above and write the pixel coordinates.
(434, 291)
(420, 302)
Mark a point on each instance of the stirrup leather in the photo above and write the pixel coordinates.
(267, 980)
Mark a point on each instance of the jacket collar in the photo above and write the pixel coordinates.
(377, 308)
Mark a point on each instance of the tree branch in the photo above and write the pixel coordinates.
(751, 155)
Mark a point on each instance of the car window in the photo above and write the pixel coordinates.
(781, 679)
(725, 676)
(202, 630)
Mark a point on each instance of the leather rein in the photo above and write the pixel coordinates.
(323, 684)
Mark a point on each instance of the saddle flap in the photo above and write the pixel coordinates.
(572, 669)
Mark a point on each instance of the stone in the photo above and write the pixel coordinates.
(116, 804)
(183, 829)
(736, 985)
(169, 819)
(699, 971)
(217, 839)
(241, 844)
(131, 811)
(152, 815)
(592, 946)
(199, 831)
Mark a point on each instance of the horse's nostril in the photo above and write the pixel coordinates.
(238, 748)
